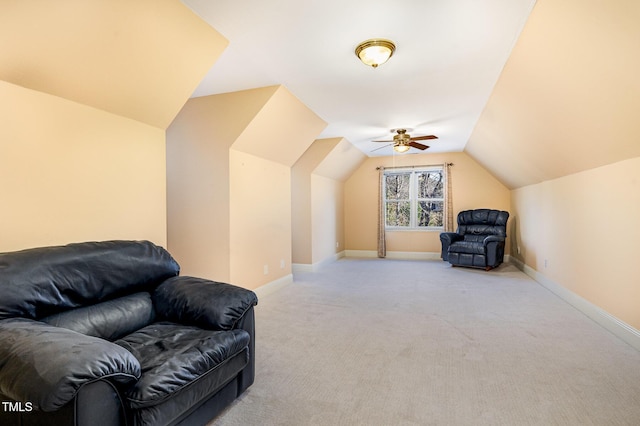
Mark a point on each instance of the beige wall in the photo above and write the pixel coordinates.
(318, 199)
(473, 187)
(85, 96)
(301, 249)
(583, 226)
(561, 130)
(327, 218)
(198, 143)
(229, 204)
(260, 222)
(72, 173)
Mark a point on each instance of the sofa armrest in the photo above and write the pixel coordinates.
(47, 365)
(203, 303)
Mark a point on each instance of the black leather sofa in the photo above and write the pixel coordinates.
(479, 240)
(108, 333)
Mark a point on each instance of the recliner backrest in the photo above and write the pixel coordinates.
(36, 283)
(483, 222)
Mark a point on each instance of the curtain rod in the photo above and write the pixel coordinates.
(413, 167)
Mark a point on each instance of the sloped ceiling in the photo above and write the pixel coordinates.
(569, 96)
(219, 119)
(139, 59)
(282, 130)
(334, 158)
(341, 161)
(449, 56)
(267, 122)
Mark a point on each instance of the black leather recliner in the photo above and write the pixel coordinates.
(108, 333)
(479, 240)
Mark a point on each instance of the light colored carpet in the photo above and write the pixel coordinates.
(392, 342)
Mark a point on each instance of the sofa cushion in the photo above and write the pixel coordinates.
(39, 282)
(173, 357)
(178, 408)
(108, 320)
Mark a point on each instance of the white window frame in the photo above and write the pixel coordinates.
(413, 197)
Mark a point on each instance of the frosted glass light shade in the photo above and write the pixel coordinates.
(375, 52)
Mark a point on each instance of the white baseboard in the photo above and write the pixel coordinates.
(302, 267)
(621, 329)
(273, 286)
(309, 267)
(401, 255)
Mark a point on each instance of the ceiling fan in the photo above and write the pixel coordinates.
(402, 141)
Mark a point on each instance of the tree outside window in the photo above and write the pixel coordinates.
(414, 199)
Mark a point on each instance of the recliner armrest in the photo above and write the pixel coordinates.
(446, 239)
(47, 365)
(203, 303)
(493, 239)
(450, 237)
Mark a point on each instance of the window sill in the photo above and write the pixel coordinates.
(431, 229)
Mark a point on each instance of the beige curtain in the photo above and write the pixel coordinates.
(448, 199)
(382, 244)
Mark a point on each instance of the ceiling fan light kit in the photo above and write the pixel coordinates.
(375, 52)
(402, 141)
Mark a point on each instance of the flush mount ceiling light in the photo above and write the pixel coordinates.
(375, 52)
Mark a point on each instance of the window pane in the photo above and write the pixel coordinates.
(398, 213)
(430, 184)
(430, 213)
(397, 186)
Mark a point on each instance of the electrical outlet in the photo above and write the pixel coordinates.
(337, 244)
(546, 263)
(282, 263)
(266, 269)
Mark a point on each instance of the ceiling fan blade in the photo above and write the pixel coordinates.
(418, 145)
(383, 141)
(424, 138)
(381, 146)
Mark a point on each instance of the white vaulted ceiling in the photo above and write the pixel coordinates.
(449, 56)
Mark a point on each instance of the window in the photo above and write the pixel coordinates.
(414, 198)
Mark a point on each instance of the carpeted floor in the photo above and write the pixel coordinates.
(392, 342)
